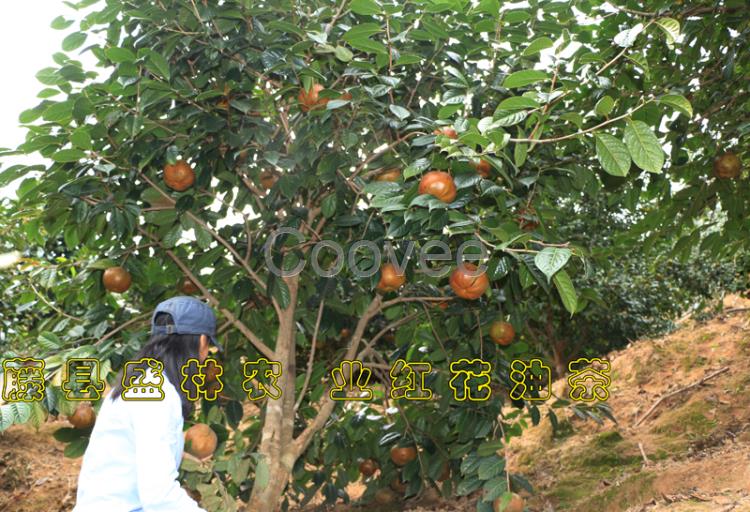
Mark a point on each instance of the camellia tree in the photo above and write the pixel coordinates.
(217, 142)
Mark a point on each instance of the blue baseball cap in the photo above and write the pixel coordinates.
(190, 315)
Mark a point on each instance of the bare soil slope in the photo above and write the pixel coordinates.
(692, 451)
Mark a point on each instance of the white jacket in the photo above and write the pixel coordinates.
(132, 460)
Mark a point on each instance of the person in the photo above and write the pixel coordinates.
(133, 457)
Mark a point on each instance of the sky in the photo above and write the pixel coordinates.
(28, 43)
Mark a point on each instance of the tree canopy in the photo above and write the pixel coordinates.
(288, 113)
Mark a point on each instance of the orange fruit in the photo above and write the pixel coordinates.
(727, 166)
(502, 333)
(187, 286)
(116, 279)
(368, 467)
(483, 168)
(390, 279)
(200, 441)
(447, 131)
(515, 505)
(83, 417)
(309, 100)
(392, 174)
(438, 184)
(179, 176)
(402, 455)
(467, 286)
(527, 219)
(268, 179)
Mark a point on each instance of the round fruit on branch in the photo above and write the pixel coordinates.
(83, 417)
(310, 99)
(179, 176)
(116, 279)
(483, 167)
(402, 455)
(391, 175)
(438, 184)
(727, 166)
(368, 467)
(502, 332)
(200, 441)
(390, 279)
(515, 504)
(268, 179)
(187, 286)
(447, 131)
(467, 284)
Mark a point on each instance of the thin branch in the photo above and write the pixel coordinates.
(677, 392)
(587, 130)
(311, 359)
(250, 335)
(396, 323)
(120, 327)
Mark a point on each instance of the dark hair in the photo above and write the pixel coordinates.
(173, 351)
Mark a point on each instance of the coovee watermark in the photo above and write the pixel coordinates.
(431, 251)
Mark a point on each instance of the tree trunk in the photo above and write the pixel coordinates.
(276, 446)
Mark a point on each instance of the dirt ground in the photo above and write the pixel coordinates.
(690, 454)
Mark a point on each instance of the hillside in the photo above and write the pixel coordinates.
(691, 453)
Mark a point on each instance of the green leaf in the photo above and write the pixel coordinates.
(262, 473)
(551, 259)
(671, 28)
(365, 7)
(627, 37)
(612, 154)
(363, 30)
(520, 151)
(60, 23)
(679, 103)
(156, 63)
(29, 116)
(490, 466)
(328, 205)
(644, 147)
(343, 54)
(399, 111)
(119, 55)
(524, 78)
(537, 45)
(566, 290)
(518, 103)
(73, 41)
(77, 448)
(68, 155)
(604, 106)
(81, 138)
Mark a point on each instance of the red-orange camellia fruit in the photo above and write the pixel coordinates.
(116, 279)
(438, 184)
(310, 100)
(390, 279)
(727, 166)
(447, 131)
(466, 285)
(502, 333)
(179, 176)
(483, 168)
(389, 175)
(368, 467)
(83, 417)
(402, 455)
